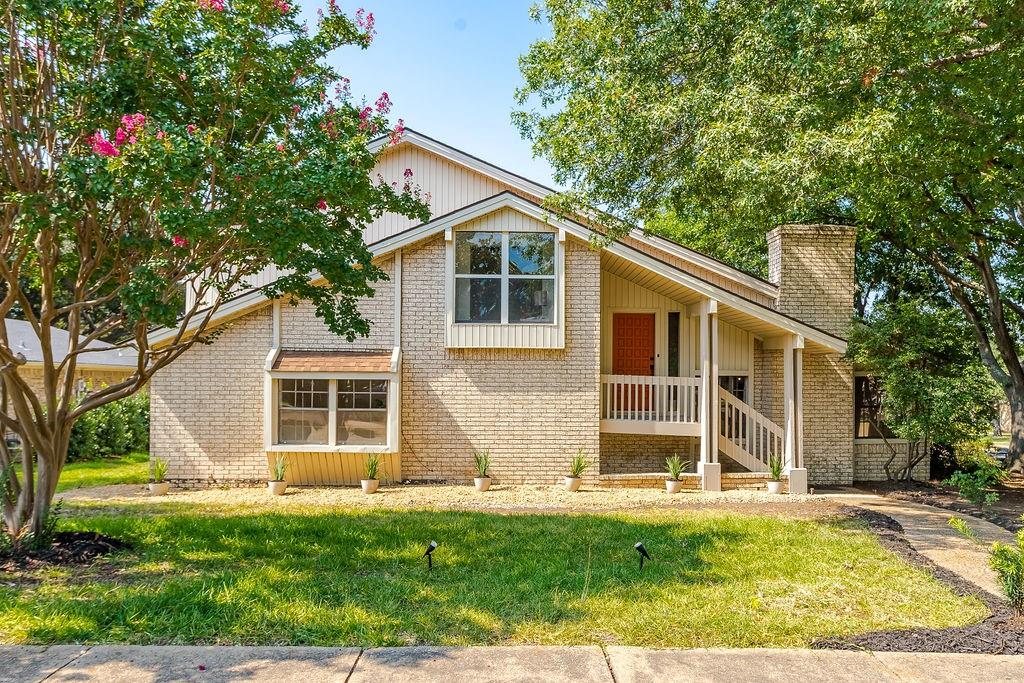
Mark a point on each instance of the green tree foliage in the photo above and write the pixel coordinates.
(155, 146)
(933, 386)
(904, 119)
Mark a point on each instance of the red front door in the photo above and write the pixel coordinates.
(633, 354)
(633, 344)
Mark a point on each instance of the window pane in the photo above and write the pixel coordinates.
(531, 253)
(477, 300)
(302, 426)
(362, 427)
(531, 301)
(478, 253)
(869, 423)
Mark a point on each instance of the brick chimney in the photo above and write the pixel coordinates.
(813, 268)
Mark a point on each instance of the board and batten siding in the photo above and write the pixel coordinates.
(506, 336)
(735, 350)
(313, 469)
(450, 186)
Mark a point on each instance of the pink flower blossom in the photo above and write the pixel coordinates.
(364, 114)
(365, 21)
(296, 109)
(132, 121)
(383, 103)
(396, 134)
(280, 147)
(407, 173)
(190, 128)
(102, 146)
(182, 76)
(119, 137)
(215, 5)
(179, 241)
(322, 205)
(160, 135)
(282, 5)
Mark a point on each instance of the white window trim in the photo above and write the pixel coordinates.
(332, 446)
(505, 334)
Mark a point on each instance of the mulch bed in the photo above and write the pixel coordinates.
(1006, 513)
(1002, 633)
(70, 548)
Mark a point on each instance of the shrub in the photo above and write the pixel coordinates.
(676, 466)
(578, 465)
(483, 463)
(973, 485)
(113, 429)
(280, 467)
(372, 466)
(1008, 563)
(159, 470)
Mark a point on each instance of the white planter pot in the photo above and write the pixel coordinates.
(573, 483)
(482, 483)
(673, 485)
(369, 485)
(159, 488)
(774, 486)
(277, 487)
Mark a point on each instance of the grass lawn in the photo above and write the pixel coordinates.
(129, 469)
(344, 576)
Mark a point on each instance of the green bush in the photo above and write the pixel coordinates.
(114, 429)
(1008, 563)
(973, 485)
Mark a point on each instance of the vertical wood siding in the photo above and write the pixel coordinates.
(308, 469)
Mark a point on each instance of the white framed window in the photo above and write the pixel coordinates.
(505, 277)
(353, 412)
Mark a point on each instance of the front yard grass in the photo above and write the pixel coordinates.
(128, 469)
(343, 576)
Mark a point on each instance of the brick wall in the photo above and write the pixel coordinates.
(532, 409)
(635, 453)
(206, 408)
(870, 456)
(828, 418)
(302, 330)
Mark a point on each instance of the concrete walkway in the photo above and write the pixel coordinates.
(928, 531)
(153, 664)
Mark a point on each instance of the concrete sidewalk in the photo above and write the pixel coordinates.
(152, 664)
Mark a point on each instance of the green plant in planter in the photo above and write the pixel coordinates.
(159, 470)
(578, 465)
(372, 466)
(676, 466)
(280, 467)
(483, 463)
(775, 467)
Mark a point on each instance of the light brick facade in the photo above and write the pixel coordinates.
(870, 456)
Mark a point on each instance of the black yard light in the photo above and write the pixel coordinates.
(429, 555)
(639, 547)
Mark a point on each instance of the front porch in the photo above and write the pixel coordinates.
(686, 374)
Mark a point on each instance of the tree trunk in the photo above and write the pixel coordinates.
(1015, 456)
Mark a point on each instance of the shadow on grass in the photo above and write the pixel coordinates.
(361, 578)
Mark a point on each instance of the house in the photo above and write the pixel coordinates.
(101, 364)
(502, 328)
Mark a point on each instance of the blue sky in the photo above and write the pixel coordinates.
(451, 70)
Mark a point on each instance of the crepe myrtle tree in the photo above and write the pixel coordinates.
(151, 147)
(903, 119)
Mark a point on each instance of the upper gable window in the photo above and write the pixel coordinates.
(505, 277)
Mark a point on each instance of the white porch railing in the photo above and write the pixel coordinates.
(650, 399)
(748, 437)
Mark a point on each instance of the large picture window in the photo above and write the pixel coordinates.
(352, 411)
(868, 421)
(504, 277)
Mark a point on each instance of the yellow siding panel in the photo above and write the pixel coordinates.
(331, 469)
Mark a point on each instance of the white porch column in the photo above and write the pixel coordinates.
(709, 468)
(793, 400)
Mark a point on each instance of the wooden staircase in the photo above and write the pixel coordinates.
(747, 436)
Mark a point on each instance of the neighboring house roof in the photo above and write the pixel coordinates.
(741, 309)
(23, 339)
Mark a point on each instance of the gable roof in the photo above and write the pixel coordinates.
(734, 304)
(22, 338)
(530, 187)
